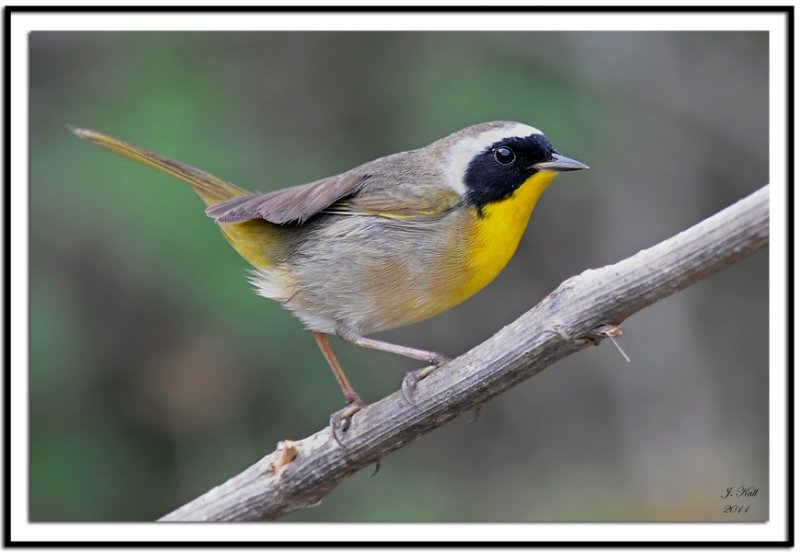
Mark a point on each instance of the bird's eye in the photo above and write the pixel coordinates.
(504, 155)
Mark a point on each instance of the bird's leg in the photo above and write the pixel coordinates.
(350, 395)
(418, 354)
(351, 398)
(411, 378)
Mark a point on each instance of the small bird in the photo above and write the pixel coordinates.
(386, 244)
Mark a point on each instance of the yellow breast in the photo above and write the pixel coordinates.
(494, 237)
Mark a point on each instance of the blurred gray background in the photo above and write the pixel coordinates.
(156, 373)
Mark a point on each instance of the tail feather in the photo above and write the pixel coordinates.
(258, 241)
(212, 190)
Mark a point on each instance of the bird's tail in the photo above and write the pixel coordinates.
(212, 190)
(258, 241)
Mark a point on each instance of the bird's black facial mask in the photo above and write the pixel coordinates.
(500, 169)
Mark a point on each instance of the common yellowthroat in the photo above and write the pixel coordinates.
(388, 243)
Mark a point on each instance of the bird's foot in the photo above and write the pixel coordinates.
(415, 376)
(340, 420)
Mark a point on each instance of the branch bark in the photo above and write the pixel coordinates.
(298, 474)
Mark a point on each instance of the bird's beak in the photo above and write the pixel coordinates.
(560, 163)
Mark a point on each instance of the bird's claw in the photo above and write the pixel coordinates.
(412, 378)
(340, 420)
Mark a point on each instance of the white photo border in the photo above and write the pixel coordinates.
(18, 25)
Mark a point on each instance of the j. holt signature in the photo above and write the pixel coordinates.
(741, 492)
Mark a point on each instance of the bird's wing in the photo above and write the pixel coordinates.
(376, 189)
(403, 201)
(297, 204)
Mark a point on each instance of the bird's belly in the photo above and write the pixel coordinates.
(391, 275)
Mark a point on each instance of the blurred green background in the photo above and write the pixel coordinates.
(156, 373)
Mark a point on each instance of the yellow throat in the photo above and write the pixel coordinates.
(496, 235)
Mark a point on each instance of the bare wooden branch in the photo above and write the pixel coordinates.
(577, 313)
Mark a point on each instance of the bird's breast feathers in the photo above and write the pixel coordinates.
(495, 232)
